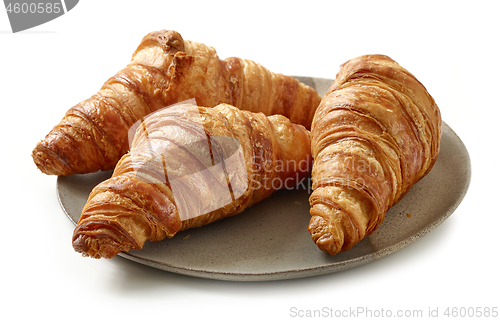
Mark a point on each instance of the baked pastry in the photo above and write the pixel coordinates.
(189, 166)
(376, 133)
(165, 69)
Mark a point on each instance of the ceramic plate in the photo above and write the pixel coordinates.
(270, 241)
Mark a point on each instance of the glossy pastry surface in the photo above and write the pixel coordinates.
(375, 134)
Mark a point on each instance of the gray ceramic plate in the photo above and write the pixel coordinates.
(270, 241)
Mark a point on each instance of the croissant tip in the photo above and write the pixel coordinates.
(320, 230)
(96, 248)
(48, 163)
(41, 159)
(326, 244)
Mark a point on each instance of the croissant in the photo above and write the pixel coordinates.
(189, 166)
(165, 69)
(376, 133)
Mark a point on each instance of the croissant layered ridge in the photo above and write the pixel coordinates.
(189, 166)
(164, 69)
(375, 134)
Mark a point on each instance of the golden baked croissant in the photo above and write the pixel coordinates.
(165, 69)
(189, 166)
(376, 133)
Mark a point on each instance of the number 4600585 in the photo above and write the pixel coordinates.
(34, 7)
(471, 312)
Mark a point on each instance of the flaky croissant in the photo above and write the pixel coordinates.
(165, 69)
(189, 166)
(376, 133)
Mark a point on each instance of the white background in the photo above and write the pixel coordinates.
(452, 47)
